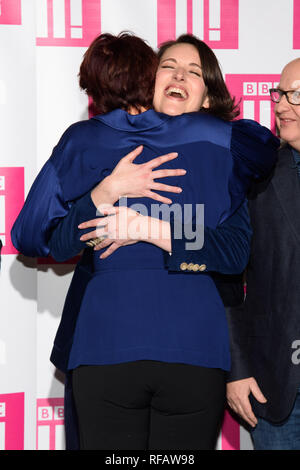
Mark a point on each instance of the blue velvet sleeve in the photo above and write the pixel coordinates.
(43, 208)
(254, 146)
(53, 192)
(226, 248)
(254, 152)
(64, 242)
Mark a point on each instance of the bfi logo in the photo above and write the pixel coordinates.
(11, 202)
(10, 12)
(12, 421)
(50, 424)
(68, 22)
(296, 25)
(254, 91)
(213, 21)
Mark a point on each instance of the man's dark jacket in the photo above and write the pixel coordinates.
(265, 330)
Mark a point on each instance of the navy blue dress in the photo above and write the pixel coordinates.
(129, 306)
(143, 312)
(133, 308)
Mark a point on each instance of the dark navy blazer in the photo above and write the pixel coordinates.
(132, 307)
(172, 324)
(265, 329)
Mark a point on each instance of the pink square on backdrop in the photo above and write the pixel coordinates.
(218, 27)
(12, 421)
(296, 25)
(253, 90)
(11, 203)
(230, 433)
(10, 12)
(73, 25)
(49, 415)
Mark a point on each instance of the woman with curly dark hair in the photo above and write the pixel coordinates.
(147, 349)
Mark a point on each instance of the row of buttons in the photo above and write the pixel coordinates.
(192, 267)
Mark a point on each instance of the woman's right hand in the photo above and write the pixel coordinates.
(136, 180)
(123, 226)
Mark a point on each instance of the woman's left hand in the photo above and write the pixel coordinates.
(121, 226)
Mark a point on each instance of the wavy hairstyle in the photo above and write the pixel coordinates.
(119, 72)
(221, 104)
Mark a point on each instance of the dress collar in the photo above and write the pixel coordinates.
(120, 119)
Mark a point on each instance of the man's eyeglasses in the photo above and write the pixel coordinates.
(293, 96)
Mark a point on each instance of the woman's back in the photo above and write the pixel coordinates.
(133, 308)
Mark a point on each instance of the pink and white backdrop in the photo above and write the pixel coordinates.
(42, 43)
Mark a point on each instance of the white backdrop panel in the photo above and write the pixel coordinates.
(42, 43)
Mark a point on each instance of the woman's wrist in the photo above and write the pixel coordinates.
(104, 193)
(155, 231)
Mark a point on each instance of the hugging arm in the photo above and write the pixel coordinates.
(226, 248)
(65, 242)
(127, 178)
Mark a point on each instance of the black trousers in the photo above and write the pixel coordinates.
(148, 405)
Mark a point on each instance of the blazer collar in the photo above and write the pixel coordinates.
(119, 119)
(287, 188)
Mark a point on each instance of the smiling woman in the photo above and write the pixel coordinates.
(189, 66)
(179, 86)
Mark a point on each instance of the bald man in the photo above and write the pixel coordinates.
(263, 386)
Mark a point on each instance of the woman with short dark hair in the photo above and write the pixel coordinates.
(104, 73)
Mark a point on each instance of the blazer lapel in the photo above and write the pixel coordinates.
(287, 188)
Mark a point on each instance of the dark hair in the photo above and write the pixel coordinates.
(221, 104)
(119, 72)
